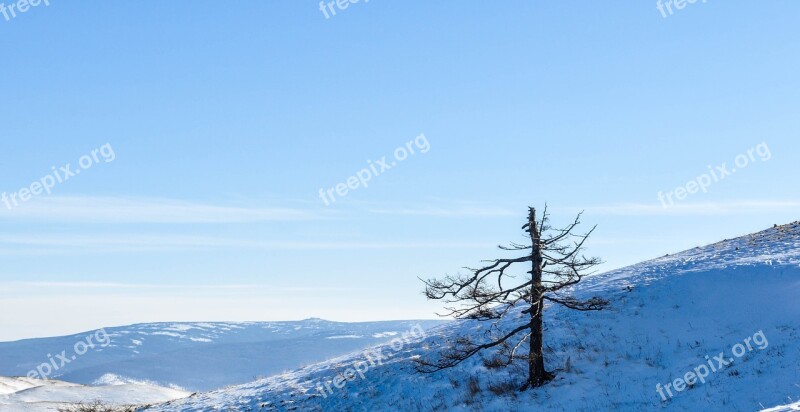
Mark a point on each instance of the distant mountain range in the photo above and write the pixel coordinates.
(195, 356)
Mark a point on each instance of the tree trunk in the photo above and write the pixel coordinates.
(537, 375)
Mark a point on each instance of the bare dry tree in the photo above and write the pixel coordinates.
(490, 292)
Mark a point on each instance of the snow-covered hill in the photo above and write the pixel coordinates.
(194, 356)
(27, 395)
(729, 311)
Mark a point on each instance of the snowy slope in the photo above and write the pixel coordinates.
(23, 394)
(9, 386)
(667, 315)
(784, 408)
(197, 356)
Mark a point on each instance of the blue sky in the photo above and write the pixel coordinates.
(225, 121)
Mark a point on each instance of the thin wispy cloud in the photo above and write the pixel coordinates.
(691, 209)
(458, 211)
(124, 209)
(622, 209)
(107, 209)
(20, 244)
(16, 285)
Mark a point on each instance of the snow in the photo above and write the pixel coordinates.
(110, 379)
(23, 394)
(666, 316)
(784, 408)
